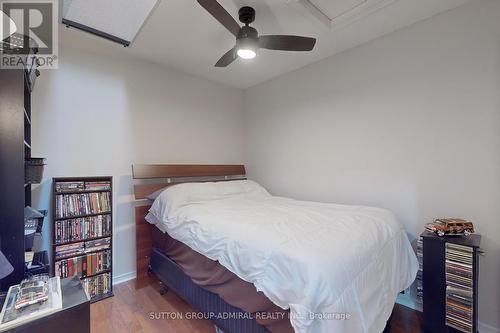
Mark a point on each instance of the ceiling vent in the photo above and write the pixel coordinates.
(116, 20)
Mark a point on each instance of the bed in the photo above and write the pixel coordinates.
(227, 246)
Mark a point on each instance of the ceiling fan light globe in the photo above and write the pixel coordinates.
(246, 54)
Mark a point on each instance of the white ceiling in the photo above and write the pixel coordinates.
(180, 34)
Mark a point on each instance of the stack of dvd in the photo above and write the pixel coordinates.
(76, 205)
(420, 257)
(97, 285)
(70, 250)
(98, 186)
(82, 228)
(69, 186)
(459, 287)
(83, 266)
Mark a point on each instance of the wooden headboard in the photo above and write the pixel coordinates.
(164, 175)
(149, 178)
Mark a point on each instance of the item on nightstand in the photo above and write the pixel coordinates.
(32, 291)
(450, 227)
(32, 299)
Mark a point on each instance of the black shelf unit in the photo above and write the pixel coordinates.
(435, 281)
(109, 235)
(15, 147)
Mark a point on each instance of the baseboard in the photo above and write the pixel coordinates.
(484, 328)
(407, 300)
(123, 277)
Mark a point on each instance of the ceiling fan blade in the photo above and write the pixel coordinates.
(287, 43)
(227, 58)
(221, 15)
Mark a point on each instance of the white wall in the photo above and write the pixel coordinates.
(100, 112)
(409, 122)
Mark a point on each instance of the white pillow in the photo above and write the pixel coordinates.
(151, 218)
(241, 187)
(171, 199)
(168, 202)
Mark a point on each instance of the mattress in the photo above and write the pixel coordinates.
(337, 268)
(215, 278)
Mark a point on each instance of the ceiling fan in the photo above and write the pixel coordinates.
(248, 40)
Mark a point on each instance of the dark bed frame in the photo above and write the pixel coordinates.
(149, 178)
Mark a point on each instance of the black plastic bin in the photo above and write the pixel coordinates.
(33, 170)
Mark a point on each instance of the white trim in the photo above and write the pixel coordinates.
(484, 328)
(316, 12)
(123, 277)
(407, 300)
(356, 13)
(155, 6)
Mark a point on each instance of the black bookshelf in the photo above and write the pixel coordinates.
(15, 147)
(57, 242)
(434, 280)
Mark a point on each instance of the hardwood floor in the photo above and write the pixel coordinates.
(134, 311)
(406, 320)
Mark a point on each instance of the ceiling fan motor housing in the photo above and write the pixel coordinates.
(247, 32)
(246, 15)
(247, 38)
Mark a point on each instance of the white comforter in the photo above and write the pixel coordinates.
(337, 268)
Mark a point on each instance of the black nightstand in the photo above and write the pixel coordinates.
(441, 268)
(74, 316)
